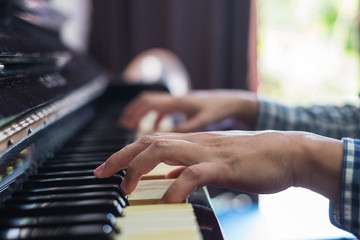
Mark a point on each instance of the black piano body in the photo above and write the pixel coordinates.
(57, 123)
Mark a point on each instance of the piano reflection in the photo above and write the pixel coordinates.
(57, 124)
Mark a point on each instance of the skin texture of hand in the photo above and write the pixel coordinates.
(201, 108)
(257, 162)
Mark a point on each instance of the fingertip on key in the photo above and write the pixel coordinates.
(99, 170)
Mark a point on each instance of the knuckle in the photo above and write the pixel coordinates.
(192, 173)
(161, 143)
(145, 139)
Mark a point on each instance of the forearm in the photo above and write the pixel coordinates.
(331, 121)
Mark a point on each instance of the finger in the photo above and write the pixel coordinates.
(159, 117)
(122, 158)
(198, 122)
(163, 121)
(160, 102)
(133, 175)
(170, 151)
(175, 173)
(190, 178)
(132, 119)
(138, 108)
(126, 119)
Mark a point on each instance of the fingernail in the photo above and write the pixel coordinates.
(99, 169)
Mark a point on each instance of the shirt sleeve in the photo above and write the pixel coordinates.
(331, 121)
(346, 215)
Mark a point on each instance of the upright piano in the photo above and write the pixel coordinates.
(58, 115)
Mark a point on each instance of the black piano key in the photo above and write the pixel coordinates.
(65, 184)
(59, 208)
(72, 163)
(60, 174)
(67, 158)
(71, 181)
(89, 138)
(76, 160)
(97, 144)
(111, 195)
(88, 141)
(69, 167)
(103, 137)
(62, 220)
(72, 189)
(109, 130)
(79, 232)
(68, 174)
(99, 155)
(90, 149)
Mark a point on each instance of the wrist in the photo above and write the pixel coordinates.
(319, 166)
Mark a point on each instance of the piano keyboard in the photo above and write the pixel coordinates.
(149, 191)
(64, 200)
(171, 221)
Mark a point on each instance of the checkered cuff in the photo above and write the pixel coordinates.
(346, 214)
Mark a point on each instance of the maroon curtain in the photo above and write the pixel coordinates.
(211, 37)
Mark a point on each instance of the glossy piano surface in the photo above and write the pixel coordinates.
(57, 123)
(35, 67)
(63, 187)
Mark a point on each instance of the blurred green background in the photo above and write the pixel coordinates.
(308, 51)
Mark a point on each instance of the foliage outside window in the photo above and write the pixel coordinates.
(309, 50)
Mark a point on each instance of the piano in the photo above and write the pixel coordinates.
(58, 113)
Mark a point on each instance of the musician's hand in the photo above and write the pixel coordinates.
(258, 162)
(201, 108)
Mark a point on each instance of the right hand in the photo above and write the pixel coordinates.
(200, 107)
(257, 162)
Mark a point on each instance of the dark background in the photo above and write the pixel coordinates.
(209, 36)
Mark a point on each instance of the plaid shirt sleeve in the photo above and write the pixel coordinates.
(346, 215)
(331, 121)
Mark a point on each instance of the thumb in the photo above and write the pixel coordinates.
(197, 122)
(190, 178)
